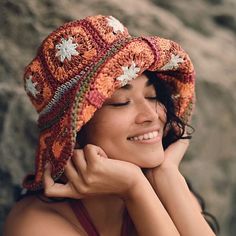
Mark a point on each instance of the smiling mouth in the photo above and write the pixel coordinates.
(147, 136)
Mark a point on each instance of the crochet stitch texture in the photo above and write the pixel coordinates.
(78, 66)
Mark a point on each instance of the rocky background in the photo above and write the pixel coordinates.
(205, 28)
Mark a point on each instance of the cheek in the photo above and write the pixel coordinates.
(161, 111)
(109, 131)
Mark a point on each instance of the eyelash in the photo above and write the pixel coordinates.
(119, 104)
(152, 98)
(126, 103)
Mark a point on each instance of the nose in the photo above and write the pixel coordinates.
(146, 112)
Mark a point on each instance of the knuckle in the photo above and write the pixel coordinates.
(89, 147)
(89, 180)
(77, 153)
(83, 189)
(47, 192)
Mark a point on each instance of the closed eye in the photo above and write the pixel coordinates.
(152, 98)
(119, 104)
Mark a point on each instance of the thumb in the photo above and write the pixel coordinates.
(92, 152)
(52, 189)
(101, 152)
(177, 150)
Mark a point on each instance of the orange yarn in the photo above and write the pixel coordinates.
(81, 64)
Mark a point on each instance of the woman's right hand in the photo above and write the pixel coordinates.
(90, 172)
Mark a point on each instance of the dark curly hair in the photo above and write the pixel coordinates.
(175, 128)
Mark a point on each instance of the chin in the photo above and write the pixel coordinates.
(151, 163)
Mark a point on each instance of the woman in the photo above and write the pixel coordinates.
(113, 112)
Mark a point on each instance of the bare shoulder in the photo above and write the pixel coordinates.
(30, 217)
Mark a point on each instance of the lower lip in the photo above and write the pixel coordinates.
(157, 139)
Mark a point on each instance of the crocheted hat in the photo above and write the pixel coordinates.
(81, 64)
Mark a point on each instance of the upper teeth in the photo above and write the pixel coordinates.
(146, 136)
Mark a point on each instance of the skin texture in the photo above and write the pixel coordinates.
(106, 175)
(131, 111)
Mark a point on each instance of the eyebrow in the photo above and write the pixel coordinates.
(129, 86)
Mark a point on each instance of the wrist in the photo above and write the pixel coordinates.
(166, 169)
(165, 175)
(134, 189)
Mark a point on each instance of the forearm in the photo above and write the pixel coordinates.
(176, 197)
(147, 212)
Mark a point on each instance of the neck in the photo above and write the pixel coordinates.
(106, 211)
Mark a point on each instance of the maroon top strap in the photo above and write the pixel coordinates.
(86, 222)
(127, 224)
(83, 217)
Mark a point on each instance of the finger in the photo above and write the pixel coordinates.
(52, 189)
(62, 191)
(182, 144)
(179, 146)
(177, 149)
(101, 152)
(73, 174)
(47, 178)
(92, 153)
(79, 161)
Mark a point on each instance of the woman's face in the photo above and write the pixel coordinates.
(129, 126)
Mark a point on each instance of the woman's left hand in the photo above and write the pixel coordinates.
(172, 158)
(174, 154)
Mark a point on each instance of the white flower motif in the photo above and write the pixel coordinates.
(115, 24)
(30, 86)
(173, 62)
(129, 73)
(66, 49)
